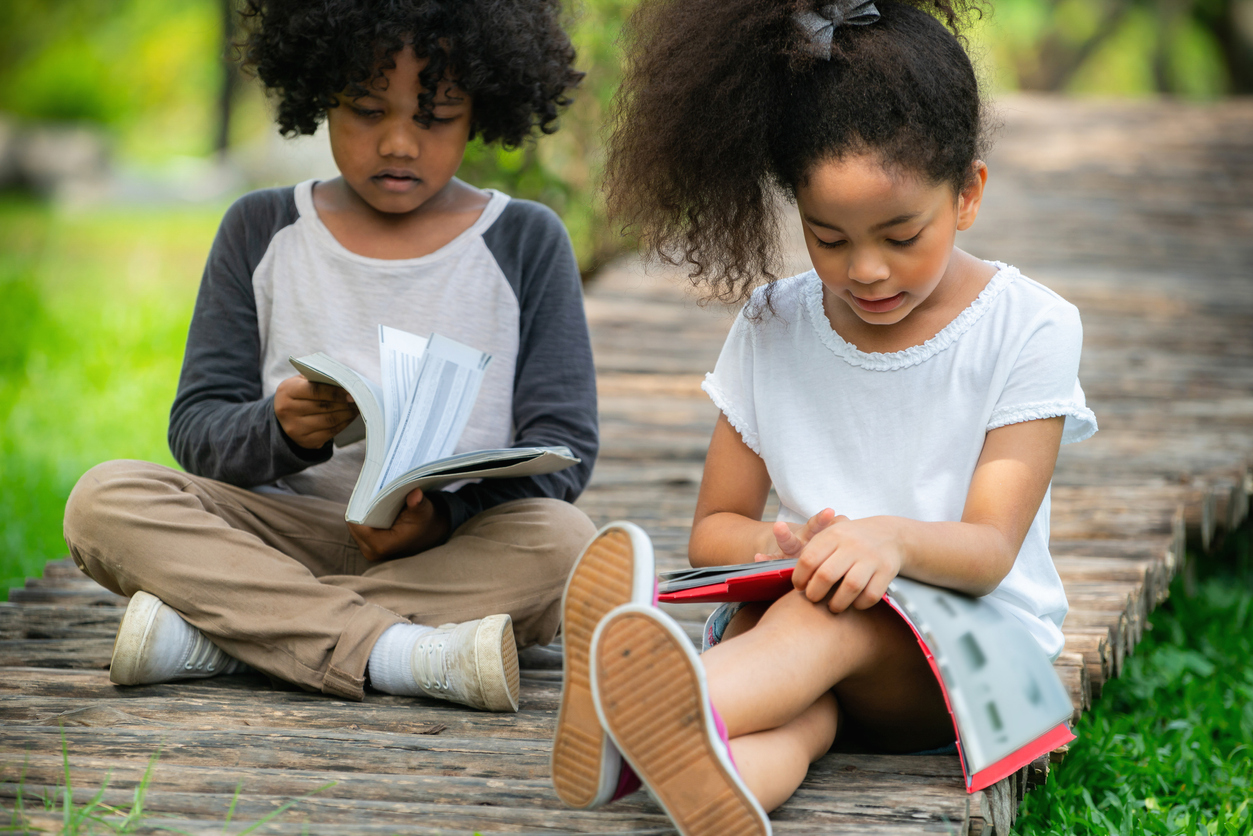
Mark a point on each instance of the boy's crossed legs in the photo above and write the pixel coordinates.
(277, 582)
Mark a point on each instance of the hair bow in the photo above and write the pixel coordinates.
(819, 27)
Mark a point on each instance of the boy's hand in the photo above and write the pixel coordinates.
(790, 538)
(855, 558)
(312, 413)
(418, 527)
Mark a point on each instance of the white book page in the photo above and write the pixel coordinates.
(431, 424)
(400, 359)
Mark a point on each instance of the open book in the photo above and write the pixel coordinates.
(412, 422)
(1007, 704)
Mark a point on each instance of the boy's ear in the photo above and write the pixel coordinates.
(971, 195)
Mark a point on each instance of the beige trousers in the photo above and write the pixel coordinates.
(277, 582)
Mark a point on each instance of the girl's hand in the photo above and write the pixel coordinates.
(861, 556)
(312, 413)
(791, 538)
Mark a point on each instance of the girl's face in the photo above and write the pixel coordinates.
(389, 159)
(881, 241)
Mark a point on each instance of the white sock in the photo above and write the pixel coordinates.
(391, 660)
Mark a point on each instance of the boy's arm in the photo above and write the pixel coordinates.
(220, 425)
(554, 390)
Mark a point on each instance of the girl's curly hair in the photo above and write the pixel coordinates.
(512, 56)
(724, 104)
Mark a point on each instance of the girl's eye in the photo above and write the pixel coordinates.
(908, 243)
(830, 245)
(365, 113)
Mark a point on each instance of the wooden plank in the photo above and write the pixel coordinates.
(1093, 646)
(49, 621)
(97, 596)
(484, 757)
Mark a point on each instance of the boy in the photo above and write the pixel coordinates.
(245, 559)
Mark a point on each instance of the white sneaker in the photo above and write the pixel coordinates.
(474, 663)
(154, 644)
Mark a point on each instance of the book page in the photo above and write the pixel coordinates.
(504, 463)
(400, 359)
(436, 413)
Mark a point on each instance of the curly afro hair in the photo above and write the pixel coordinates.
(511, 56)
(725, 105)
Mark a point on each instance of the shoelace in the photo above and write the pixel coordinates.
(432, 675)
(204, 656)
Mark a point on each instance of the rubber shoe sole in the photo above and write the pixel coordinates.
(649, 687)
(126, 667)
(496, 663)
(616, 568)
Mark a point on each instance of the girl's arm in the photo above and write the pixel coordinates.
(727, 527)
(971, 556)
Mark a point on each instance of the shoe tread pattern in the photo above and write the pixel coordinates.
(601, 581)
(651, 699)
(509, 655)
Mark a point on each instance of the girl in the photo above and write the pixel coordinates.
(245, 557)
(905, 399)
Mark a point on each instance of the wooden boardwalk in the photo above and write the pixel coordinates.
(1141, 214)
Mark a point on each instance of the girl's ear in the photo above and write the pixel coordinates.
(972, 195)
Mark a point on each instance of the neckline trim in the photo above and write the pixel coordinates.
(304, 205)
(894, 360)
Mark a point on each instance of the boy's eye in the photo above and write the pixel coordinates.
(906, 243)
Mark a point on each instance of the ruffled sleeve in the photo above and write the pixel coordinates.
(1044, 379)
(730, 384)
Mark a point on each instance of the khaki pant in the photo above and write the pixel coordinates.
(277, 582)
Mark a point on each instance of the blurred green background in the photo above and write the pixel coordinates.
(124, 135)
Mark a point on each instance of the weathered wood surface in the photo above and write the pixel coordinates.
(1141, 214)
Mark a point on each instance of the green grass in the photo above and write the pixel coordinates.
(94, 310)
(1168, 748)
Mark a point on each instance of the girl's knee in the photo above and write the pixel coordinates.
(795, 611)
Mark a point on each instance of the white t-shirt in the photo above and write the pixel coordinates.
(900, 433)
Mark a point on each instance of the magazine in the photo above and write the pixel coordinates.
(1007, 703)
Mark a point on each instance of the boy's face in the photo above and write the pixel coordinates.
(385, 155)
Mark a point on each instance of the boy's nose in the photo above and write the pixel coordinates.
(399, 139)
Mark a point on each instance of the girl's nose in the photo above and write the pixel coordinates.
(867, 267)
(399, 139)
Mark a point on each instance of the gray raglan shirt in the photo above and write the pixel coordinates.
(278, 284)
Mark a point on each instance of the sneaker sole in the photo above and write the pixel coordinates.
(616, 568)
(126, 664)
(496, 662)
(649, 687)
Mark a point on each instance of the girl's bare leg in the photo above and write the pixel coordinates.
(773, 763)
(767, 676)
